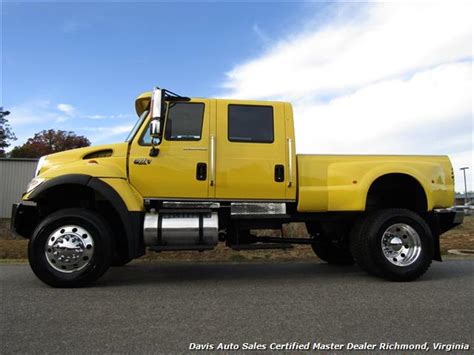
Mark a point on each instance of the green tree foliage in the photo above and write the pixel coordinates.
(48, 142)
(6, 133)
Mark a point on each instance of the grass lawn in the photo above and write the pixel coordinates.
(461, 237)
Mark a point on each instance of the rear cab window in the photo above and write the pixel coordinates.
(250, 124)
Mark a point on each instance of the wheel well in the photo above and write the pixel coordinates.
(397, 190)
(75, 195)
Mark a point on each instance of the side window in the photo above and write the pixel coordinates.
(251, 124)
(183, 123)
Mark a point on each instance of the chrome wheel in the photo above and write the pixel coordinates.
(401, 244)
(69, 249)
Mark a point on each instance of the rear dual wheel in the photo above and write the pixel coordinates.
(393, 243)
(330, 243)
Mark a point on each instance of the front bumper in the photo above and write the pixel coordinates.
(24, 219)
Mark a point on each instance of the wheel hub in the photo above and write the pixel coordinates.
(401, 244)
(69, 249)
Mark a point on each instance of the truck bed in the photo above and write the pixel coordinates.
(342, 182)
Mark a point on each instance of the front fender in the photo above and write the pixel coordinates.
(118, 192)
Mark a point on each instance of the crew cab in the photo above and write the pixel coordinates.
(194, 172)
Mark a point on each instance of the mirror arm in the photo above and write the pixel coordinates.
(154, 151)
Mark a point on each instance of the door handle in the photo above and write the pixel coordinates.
(201, 171)
(279, 173)
(213, 160)
(290, 163)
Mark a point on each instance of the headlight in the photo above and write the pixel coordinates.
(40, 165)
(34, 184)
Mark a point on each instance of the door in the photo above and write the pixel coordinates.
(181, 168)
(250, 151)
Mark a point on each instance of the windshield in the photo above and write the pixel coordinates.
(136, 126)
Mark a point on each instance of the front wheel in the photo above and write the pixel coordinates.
(120, 260)
(394, 243)
(70, 248)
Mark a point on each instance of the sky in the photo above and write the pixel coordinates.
(364, 78)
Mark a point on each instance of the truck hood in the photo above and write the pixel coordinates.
(107, 160)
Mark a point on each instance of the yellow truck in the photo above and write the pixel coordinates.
(194, 172)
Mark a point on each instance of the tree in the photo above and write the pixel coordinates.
(6, 133)
(48, 142)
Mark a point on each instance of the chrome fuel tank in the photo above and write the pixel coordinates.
(181, 230)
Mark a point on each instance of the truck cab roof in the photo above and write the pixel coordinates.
(143, 101)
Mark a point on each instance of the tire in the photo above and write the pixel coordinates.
(356, 232)
(330, 243)
(331, 253)
(70, 248)
(120, 260)
(393, 243)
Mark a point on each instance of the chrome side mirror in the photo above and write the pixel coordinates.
(156, 107)
(156, 103)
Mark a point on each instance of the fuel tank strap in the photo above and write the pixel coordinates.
(201, 231)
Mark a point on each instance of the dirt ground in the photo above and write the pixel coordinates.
(461, 237)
